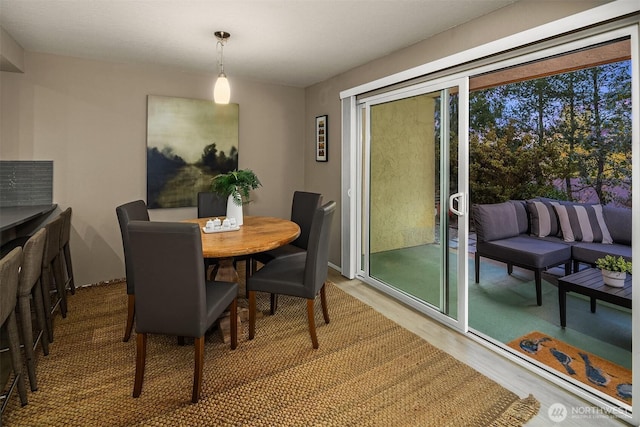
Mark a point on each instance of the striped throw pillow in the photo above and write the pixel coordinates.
(544, 220)
(583, 223)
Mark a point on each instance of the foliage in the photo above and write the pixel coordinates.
(237, 183)
(612, 263)
(218, 161)
(563, 136)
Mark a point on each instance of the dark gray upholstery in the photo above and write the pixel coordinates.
(65, 250)
(619, 224)
(52, 275)
(495, 239)
(30, 286)
(495, 221)
(172, 295)
(9, 266)
(211, 205)
(303, 206)
(132, 211)
(301, 275)
(499, 237)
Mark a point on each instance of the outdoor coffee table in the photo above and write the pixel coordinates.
(589, 282)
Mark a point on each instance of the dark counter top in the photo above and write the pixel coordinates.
(13, 216)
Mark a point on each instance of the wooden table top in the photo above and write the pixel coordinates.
(257, 234)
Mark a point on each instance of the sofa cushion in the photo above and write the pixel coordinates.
(521, 215)
(590, 252)
(495, 221)
(544, 220)
(618, 221)
(526, 251)
(582, 223)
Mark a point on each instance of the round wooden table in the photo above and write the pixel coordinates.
(256, 234)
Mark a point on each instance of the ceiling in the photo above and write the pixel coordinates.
(288, 42)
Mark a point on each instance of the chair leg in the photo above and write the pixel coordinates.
(233, 323)
(323, 301)
(509, 269)
(141, 357)
(252, 314)
(16, 358)
(59, 282)
(67, 260)
(131, 312)
(273, 304)
(538, 276)
(45, 285)
(312, 323)
(198, 345)
(40, 316)
(477, 265)
(27, 339)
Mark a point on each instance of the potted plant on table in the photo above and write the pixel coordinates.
(235, 186)
(614, 270)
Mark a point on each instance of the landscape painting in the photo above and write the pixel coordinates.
(189, 141)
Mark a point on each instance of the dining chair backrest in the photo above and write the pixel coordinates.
(32, 254)
(303, 209)
(211, 205)
(132, 211)
(52, 246)
(170, 285)
(317, 260)
(9, 278)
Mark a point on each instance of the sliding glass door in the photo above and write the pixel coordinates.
(410, 163)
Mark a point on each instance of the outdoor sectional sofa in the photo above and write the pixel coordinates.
(541, 233)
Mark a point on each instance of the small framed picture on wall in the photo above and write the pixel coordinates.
(322, 139)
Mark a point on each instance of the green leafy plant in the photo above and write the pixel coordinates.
(237, 183)
(612, 263)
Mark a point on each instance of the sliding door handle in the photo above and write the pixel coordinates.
(460, 198)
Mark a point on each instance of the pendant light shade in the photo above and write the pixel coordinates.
(221, 90)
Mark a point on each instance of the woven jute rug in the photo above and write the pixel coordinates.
(368, 371)
(606, 376)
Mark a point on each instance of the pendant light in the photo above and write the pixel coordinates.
(221, 90)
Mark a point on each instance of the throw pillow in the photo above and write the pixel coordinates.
(495, 221)
(583, 223)
(544, 220)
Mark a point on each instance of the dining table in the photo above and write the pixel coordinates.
(256, 234)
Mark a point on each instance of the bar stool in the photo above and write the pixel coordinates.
(9, 266)
(52, 275)
(65, 251)
(29, 286)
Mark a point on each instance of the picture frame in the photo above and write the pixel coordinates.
(322, 138)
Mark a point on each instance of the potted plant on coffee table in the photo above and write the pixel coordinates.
(614, 270)
(235, 186)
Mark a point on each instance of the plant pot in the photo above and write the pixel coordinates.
(614, 278)
(234, 211)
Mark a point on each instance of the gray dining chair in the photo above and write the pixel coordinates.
(65, 250)
(300, 275)
(9, 277)
(132, 211)
(172, 295)
(52, 275)
(30, 287)
(303, 207)
(211, 205)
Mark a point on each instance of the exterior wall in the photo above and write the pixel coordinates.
(89, 117)
(402, 174)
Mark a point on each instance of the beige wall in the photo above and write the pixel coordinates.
(89, 117)
(324, 97)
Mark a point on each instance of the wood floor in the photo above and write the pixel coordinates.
(505, 372)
